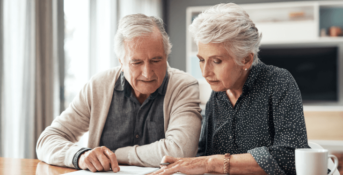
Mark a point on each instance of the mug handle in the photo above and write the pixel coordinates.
(336, 163)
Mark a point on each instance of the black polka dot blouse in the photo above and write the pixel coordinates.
(267, 121)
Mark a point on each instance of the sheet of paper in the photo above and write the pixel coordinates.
(123, 170)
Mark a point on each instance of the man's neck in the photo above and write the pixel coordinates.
(140, 97)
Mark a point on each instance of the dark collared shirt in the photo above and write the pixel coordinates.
(267, 121)
(130, 123)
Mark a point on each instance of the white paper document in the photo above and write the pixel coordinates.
(127, 170)
(123, 170)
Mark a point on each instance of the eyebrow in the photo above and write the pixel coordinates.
(157, 58)
(135, 60)
(154, 58)
(211, 56)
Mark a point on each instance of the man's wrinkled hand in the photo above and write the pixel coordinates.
(99, 159)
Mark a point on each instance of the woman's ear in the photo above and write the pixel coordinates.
(248, 60)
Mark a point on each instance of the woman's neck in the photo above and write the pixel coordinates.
(236, 91)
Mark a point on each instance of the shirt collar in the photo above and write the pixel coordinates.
(163, 88)
(252, 77)
(120, 83)
(249, 83)
(123, 85)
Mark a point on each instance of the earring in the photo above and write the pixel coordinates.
(245, 68)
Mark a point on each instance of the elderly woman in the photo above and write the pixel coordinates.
(254, 118)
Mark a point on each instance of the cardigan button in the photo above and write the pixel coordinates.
(137, 136)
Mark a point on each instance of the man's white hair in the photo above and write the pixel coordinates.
(228, 24)
(136, 25)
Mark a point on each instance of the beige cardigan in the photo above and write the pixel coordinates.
(88, 112)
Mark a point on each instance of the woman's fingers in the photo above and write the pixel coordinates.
(170, 169)
(183, 165)
(167, 159)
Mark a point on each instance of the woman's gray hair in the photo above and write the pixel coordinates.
(228, 24)
(136, 25)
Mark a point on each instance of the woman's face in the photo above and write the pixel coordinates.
(219, 68)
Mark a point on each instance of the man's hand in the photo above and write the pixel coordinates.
(99, 159)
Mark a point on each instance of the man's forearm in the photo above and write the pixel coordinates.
(123, 155)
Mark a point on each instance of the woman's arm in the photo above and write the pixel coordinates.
(239, 164)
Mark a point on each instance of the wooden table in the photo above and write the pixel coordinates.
(10, 166)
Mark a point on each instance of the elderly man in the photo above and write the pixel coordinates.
(135, 114)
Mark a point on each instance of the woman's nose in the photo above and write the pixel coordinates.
(205, 69)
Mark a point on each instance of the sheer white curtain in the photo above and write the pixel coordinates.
(104, 17)
(29, 92)
(147, 7)
(91, 27)
(103, 24)
(18, 83)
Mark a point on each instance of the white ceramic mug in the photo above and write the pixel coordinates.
(313, 161)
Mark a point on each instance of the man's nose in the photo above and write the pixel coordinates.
(148, 71)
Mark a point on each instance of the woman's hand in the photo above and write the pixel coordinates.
(195, 165)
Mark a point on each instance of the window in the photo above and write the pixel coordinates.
(90, 28)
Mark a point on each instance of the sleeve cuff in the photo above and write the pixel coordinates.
(128, 155)
(77, 155)
(122, 155)
(266, 161)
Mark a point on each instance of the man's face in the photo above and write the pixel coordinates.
(145, 63)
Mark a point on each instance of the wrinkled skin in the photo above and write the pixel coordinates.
(197, 165)
(239, 164)
(99, 159)
(144, 67)
(145, 64)
(221, 71)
